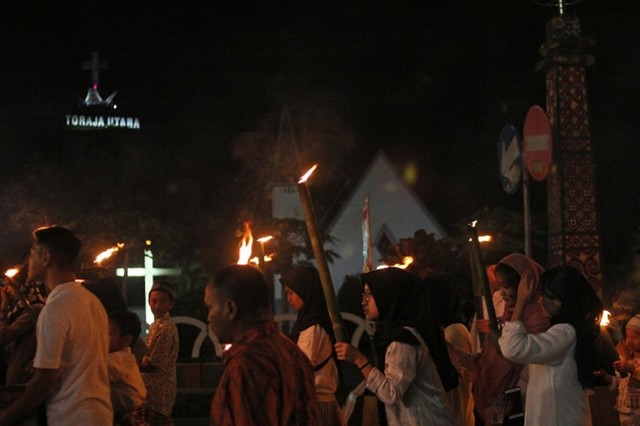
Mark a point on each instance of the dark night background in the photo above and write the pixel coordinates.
(428, 81)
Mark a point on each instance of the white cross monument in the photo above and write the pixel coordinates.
(148, 272)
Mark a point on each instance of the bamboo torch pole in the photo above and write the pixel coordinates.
(480, 280)
(318, 254)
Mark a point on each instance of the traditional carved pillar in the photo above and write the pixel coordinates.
(572, 204)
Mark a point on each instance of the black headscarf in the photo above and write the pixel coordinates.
(581, 307)
(304, 280)
(403, 301)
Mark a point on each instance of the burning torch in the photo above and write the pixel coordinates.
(318, 254)
(9, 274)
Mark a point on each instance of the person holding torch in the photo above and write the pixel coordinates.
(18, 324)
(70, 364)
(313, 333)
(412, 363)
(494, 374)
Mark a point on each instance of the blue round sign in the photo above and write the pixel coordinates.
(510, 159)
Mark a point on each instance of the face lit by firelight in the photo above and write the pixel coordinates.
(369, 305)
(160, 303)
(219, 314)
(294, 300)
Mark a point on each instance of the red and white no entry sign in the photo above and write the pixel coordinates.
(537, 143)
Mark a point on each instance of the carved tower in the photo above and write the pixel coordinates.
(572, 205)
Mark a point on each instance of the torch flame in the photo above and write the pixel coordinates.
(406, 261)
(307, 174)
(262, 241)
(606, 318)
(245, 246)
(108, 253)
(255, 260)
(11, 272)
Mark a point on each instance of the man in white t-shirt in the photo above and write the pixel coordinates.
(73, 341)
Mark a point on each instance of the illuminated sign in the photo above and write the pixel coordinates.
(84, 122)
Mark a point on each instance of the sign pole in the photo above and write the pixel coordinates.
(538, 149)
(527, 212)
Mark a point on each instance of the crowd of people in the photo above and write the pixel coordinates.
(426, 368)
(71, 345)
(77, 360)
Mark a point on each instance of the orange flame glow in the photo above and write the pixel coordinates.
(484, 238)
(245, 246)
(606, 318)
(262, 241)
(308, 174)
(108, 253)
(11, 272)
(406, 261)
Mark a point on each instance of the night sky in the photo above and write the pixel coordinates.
(428, 81)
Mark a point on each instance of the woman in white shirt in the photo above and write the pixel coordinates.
(313, 333)
(410, 351)
(563, 358)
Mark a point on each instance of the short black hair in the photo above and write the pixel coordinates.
(247, 287)
(63, 245)
(128, 323)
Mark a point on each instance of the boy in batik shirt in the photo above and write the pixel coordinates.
(158, 365)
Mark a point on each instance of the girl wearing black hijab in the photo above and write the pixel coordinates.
(412, 362)
(313, 332)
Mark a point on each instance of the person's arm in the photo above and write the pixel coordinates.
(347, 352)
(550, 347)
(483, 326)
(42, 382)
(315, 343)
(401, 365)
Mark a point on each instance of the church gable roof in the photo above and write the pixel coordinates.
(395, 212)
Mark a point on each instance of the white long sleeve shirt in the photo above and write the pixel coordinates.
(410, 387)
(554, 394)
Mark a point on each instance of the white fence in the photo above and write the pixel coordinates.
(362, 326)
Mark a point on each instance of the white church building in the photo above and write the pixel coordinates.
(395, 212)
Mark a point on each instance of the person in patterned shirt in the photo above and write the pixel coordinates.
(158, 365)
(267, 380)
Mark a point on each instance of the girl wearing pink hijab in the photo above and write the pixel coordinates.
(493, 372)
